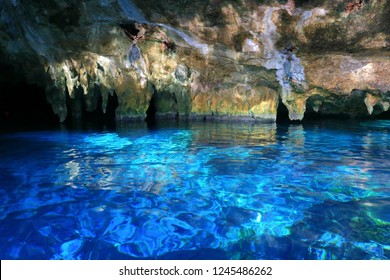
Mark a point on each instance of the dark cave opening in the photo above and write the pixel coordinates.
(100, 120)
(282, 114)
(75, 104)
(112, 104)
(311, 115)
(22, 104)
(151, 112)
(25, 104)
(130, 29)
(383, 116)
(79, 117)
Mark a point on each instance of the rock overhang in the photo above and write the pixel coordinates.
(241, 58)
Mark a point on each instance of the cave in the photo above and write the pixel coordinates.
(154, 130)
(151, 111)
(81, 117)
(112, 104)
(282, 114)
(130, 29)
(24, 104)
(383, 115)
(75, 105)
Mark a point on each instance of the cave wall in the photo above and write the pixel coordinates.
(212, 59)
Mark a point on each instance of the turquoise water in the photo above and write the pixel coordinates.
(197, 191)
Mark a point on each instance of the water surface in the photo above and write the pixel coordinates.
(197, 191)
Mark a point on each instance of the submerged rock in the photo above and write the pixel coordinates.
(202, 59)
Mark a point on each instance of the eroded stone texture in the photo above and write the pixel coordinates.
(203, 59)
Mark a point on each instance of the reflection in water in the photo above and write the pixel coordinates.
(227, 134)
(235, 191)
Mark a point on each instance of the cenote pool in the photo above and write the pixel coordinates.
(197, 191)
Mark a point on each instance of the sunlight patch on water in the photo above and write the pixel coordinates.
(109, 141)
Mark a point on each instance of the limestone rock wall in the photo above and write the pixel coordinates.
(202, 59)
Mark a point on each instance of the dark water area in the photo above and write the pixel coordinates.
(196, 190)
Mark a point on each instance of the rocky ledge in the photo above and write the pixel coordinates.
(237, 59)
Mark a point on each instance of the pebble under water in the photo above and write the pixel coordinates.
(197, 191)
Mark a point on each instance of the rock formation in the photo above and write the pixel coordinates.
(202, 59)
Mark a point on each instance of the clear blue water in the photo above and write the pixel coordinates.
(197, 191)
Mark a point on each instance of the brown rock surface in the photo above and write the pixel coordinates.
(196, 59)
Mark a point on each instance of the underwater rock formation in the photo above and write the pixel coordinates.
(202, 59)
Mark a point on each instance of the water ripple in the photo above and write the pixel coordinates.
(314, 191)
